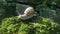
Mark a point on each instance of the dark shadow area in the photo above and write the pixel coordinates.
(34, 19)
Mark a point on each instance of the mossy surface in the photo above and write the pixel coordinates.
(38, 25)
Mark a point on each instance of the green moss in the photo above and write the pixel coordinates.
(12, 25)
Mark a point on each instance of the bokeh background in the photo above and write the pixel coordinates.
(47, 20)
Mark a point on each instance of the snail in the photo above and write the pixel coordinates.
(28, 13)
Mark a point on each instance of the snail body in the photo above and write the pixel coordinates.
(28, 13)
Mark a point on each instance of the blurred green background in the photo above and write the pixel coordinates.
(47, 20)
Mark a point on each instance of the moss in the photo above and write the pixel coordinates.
(12, 25)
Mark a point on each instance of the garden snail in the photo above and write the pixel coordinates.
(28, 13)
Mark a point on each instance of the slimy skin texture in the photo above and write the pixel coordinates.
(28, 13)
